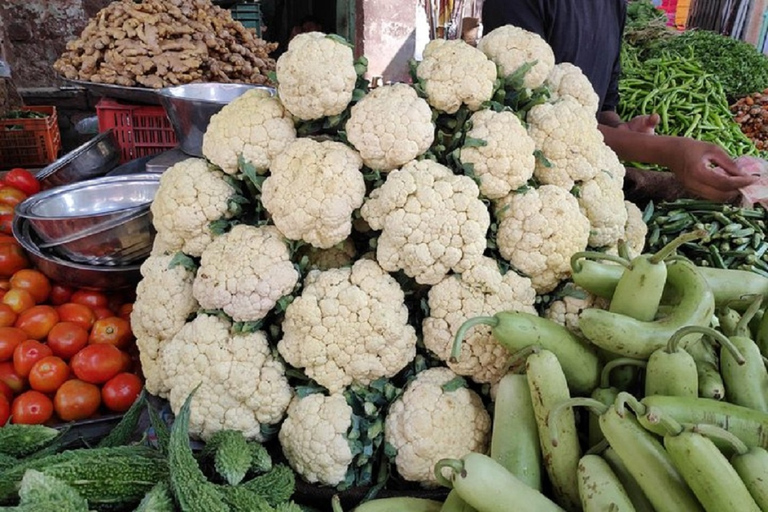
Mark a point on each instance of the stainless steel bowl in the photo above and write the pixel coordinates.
(190, 107)
(92, 159)
(68, 211)
(121, 241)
(135, 166)
(72, 274)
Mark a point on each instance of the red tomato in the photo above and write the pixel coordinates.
(22, 179)
(34, 281)
(90, 298)
(6, 391)
(48, 374)
(125, 311)
(10, 378)
(10, 337)
(60, 294)
(113, 330)
(27, 354)
(97, 363)
(127, 362)
(31, 408)
(12, 258)
(77, 314)
(66, 339)
(119, 392)
(7, 209)
(7, 315)
(5, 284)
(37, 321)
(5, 410)
(19, 300)
(11, 196)
(102, 313)
(77, 400)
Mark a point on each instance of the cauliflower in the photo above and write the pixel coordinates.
(601, 200)
(512, 47)
(567, 79)
(566, 309)
(538, 232)
(163, 303)
(636, 230)
(350, 325)
(568, 138)
(454, 73)
(432, 221)
(340, 255)
(245, 272)
(609, 162)
(312, 190)
(242, 386)
(191, 195)
(432, 421)
(390, 127)
(480, 291)
(316, 77)
(506, 161)
(314, 437)
(255, 126)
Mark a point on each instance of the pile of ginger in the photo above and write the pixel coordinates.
(161, 43)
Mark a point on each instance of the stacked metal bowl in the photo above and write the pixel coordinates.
(92, 233)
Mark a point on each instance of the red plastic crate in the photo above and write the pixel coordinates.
(30, 142)
(140, 130)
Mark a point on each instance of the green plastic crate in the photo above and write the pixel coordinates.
(249, 14)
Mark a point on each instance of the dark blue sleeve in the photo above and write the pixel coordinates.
(527, 14)
(611, 101)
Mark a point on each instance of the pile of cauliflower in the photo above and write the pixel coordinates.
(335, 237)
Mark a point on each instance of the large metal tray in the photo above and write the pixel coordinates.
(118, 92)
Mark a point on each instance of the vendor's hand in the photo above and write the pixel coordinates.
(706, 170)
(642, 124)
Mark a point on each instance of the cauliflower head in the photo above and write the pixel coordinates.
(312, 190)
(390, 127)
(636, 230)
(432, 221)
(539, 230)
(242, 386)
(340, 255)
(163, 303)
(454, 73)
(506, 161)
(567, 79)
(480, 291)
(568, 138)
(314, 437)
(191, 195)
(255, 126)
(349, 325)
(316, 76)
(608, 161)
(511, 47)
(428, 423)
(601, 200)
(566, 310)
(245, 272)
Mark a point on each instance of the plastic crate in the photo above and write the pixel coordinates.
(249, 14)
(30, 142)
(140, 130)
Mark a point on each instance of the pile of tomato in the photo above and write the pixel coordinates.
(65, 354)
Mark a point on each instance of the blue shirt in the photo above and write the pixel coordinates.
(586, 33)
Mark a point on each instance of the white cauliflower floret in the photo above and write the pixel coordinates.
(242, 386)
(609, 162)
(255, 126)
(568, 138)
(163, 303)
(350, 325)
(480, 291)
(454, 73)
(601, 200)
(316, 77)
(432, 221)
(314, 437)
(390, 127)
(312, 190)
(192, 194)
(567, 79)
(539, 231)
(566, 310)
(245, 272)
(428, 423)
(512, 47)
(636, 230)
(506, 161)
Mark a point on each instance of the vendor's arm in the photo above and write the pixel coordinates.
(692, 161)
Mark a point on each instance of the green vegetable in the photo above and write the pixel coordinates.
(261, 460)
(240, 498)
(454, 503)
(6, 461)
(606, 394)
(276, 486)
(231, 455)
(707, 361)
(158, 499)
(672, 370)
(599, 487)
(639, 500)
(21, 440)
(401, 504)
(124, 431)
